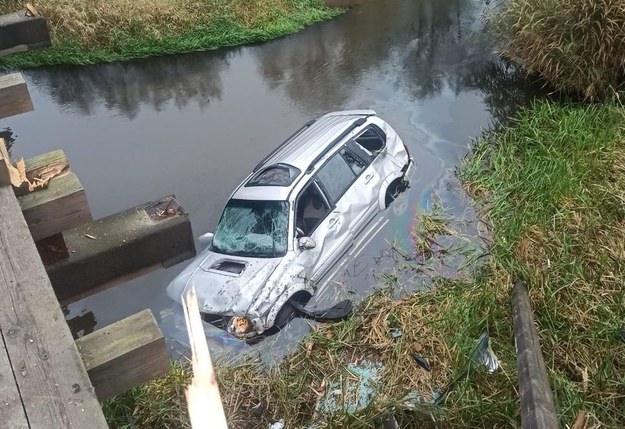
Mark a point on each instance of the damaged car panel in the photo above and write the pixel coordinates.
(293, 218)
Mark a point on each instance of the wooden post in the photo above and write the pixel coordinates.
(20, 32)
(14, 96)
(537, 408)
(125, 354)
(61, 206)
(120, 247)
(48, 371)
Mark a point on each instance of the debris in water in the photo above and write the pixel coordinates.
(90, 236)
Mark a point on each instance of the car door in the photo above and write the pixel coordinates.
(350, 187)
(312, 210)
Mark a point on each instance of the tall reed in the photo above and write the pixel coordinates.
(577, 46)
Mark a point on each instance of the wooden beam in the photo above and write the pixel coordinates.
(49, 164)
(125, 354)
(5, 174)
(122, 245)
(20, 32)
(537, 408)
(11, 410)
(14, 96)
(49, 372)
(61, 206)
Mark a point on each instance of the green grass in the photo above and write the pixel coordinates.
(121, 30)
(555, 187)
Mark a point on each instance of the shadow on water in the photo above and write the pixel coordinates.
(196, 124)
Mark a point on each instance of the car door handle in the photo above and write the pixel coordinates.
(332, 222)
(368, 178)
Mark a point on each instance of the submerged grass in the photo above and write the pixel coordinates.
(86, 32)
(555, 191)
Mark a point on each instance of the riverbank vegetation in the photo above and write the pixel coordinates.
(577, 46)
(553, 190)
(101, 31)
(551, 187)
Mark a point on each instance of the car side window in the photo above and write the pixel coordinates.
(373, 139)
(336, 176)
(311, 209)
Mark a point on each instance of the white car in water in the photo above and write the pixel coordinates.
(293, 218)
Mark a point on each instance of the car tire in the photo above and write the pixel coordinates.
(288, 310)
(394, 189)
(285, 315)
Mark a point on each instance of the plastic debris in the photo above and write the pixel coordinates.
(277, 425)
(483, 353)
(410, 401)
(396, 332)
(352, 393)
(422, 362)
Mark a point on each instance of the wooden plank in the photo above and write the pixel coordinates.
(203, 397)
(11, 410)
(52, 249)
(119, 246)
(125, 354)
(51, 377)
(5, 175)
(46, 165)
(13, 50)
(14, 96)
(537, 407)
(61, 206)
(18, 29)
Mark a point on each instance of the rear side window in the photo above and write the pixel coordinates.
(336, 176)
(373, 139)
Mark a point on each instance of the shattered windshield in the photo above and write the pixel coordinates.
(253, 229)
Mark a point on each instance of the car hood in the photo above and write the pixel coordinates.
(225, 285)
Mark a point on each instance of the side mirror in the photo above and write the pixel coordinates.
(306, 243)
(206, 239)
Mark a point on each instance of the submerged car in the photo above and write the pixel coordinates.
(293, 218)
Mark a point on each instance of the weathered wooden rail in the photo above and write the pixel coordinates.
(48, 380)
(537, 407)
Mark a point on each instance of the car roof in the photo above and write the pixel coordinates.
(303, 149)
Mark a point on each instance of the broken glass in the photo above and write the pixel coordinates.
(253, 229)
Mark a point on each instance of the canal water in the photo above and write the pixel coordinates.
(194, 126)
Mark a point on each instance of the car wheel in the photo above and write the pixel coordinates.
(393, 190)
(288, 310)
(285, 315)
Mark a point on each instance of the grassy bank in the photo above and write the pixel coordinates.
(576, 46)
(100, 31)
(553, 188)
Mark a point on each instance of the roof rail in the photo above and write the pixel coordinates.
(358, 122)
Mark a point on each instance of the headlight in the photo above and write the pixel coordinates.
(240, 326)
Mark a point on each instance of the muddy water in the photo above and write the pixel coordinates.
(194, 125)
